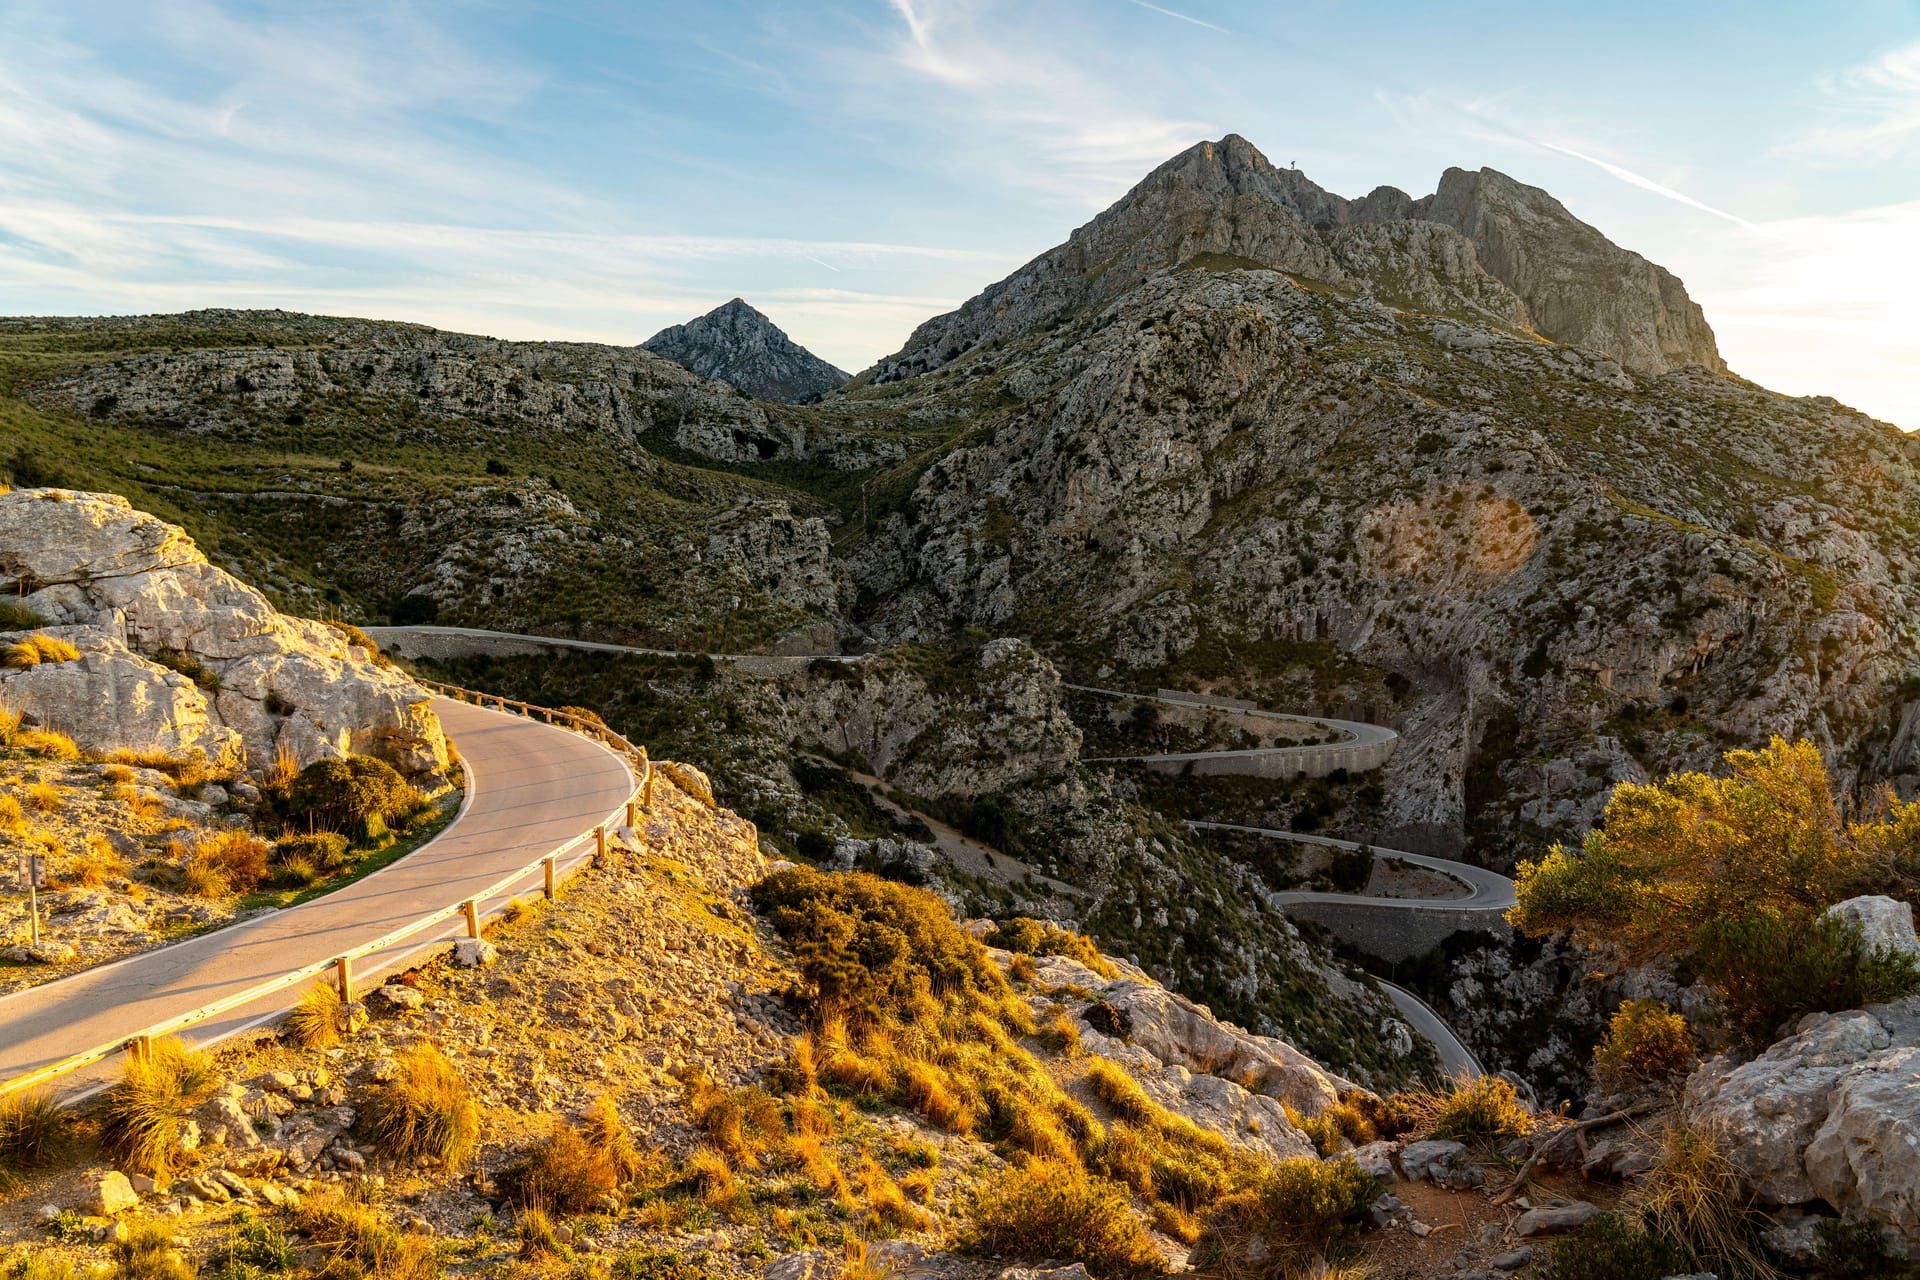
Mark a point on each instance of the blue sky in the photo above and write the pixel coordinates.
(600, 171)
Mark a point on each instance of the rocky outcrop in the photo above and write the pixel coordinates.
(1482, 247)
(968, 729)
(1830, 1114)
(1578, 286)
(1221, 1078)
(737, 345)
(128, 589)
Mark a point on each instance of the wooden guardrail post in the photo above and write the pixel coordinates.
(472, 912)
(633, 814)
(600, 841)
(343, 973)
(140, 1048)
(546, 864)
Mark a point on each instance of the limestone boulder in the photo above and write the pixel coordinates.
(110, 698)
(1830, 1114)
(1884, 923)
(125, 586)
(1178, 1031)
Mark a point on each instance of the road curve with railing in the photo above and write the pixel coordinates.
(533, 791)
(1359, 746)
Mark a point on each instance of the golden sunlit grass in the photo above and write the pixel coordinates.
(142, 1115)
(425, 1110)
(315, 1022)
(36, 649)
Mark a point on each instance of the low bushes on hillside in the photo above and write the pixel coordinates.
(905, 1007)
(1293, 1207)
(356, 794)
(1646, 1043)
(1055, 1209)
(1027, 936)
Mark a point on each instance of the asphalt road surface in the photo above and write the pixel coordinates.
(531, 787)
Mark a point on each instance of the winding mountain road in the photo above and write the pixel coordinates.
(530, 788)
(1486, 890)
(1361, 746)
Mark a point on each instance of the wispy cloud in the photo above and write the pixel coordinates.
(1871, 111)
(1029, 108)
(1183, 17)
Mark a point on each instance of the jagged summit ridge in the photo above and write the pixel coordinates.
(736, 344)
(1483, 247)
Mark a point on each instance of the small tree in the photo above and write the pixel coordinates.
(1727, 877)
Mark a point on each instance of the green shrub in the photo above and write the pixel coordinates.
(1613, 1248)
(141, 1116)
(1054, 1210)
(326, 852)
(147, 1253)
(15, 616)
(424, 1110)
(1293, 1207)
(1852, 1249)
(869, 948)
(189, 666)
(1770, 970)
(254, 1247)
(1027, 936)
(1728, 877)
(641, 1263)
(1483, 1111)
(1646, 1042)
(357, 794)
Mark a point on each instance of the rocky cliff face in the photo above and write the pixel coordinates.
(1579, 287)
(739, 346)
(131, 592)
(1484, 247)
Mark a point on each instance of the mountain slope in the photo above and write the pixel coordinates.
(1390, 496)
(739, 346)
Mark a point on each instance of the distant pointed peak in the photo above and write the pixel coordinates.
(738, 344)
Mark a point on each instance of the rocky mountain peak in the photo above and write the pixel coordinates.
(1579, 286)
(1483, 247)
(736, 344)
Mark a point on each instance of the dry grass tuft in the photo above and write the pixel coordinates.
(45, 797)
(46, 743)
(222, 863)
(1482, 1111)
(31, 1128)
(361, 1241)
(424, 1111)
(142, 1114)
(36, 649)
(315, 1023)
(1696, 1198)
(578, 1168)
(13, 818)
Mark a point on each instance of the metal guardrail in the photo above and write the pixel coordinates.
(141, 1042)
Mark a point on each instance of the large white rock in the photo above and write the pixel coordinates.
(110, 698)
(1885, 924)
(120, 583)
(1176, 1030)
(1831, 1113)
